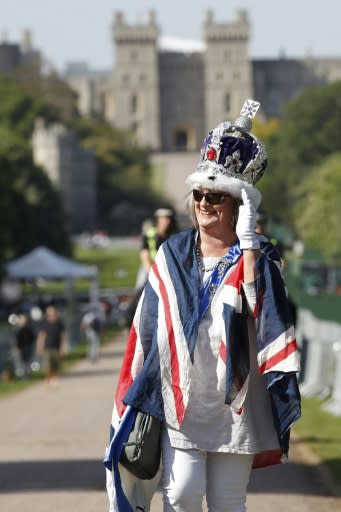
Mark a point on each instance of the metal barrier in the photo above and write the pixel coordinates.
(320, 341)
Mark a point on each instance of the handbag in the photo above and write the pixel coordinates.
(141, 453)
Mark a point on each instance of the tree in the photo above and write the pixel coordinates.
(31, 212)
(59, 100)
(307, 134)
(125, 192)
(318, 210)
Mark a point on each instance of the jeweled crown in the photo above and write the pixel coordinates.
(231, 150)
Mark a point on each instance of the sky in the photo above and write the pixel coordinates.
(80, 30)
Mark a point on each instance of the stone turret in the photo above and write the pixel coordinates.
(136, 81)
(228, 78)
(72, 170)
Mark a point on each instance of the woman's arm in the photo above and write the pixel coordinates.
(248, 238)
(250, 258)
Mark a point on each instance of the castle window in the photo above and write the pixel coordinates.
(227, 102)
(134, 55)
(227, 55)
(219, 75)
(181, 140)
(133, 103)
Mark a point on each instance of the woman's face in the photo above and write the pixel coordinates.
(214, 216)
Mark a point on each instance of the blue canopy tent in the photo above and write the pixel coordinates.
(42, 263)
(46, 264)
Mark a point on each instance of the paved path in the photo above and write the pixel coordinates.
(52, 445)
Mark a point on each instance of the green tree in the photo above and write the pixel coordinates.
(59, 100)
(318, 210)
(17, 109)
(307, 134)
(31, 213)
(125, 193)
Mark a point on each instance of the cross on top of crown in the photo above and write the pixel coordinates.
(250, 108)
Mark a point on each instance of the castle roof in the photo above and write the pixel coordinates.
(181, 45)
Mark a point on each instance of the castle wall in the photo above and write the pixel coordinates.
(228, 79)
(182, 107)
(136, 80)
(9, 57)
(275, 82)
(72, 170)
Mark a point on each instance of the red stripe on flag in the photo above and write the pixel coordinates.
(280, 356)
(125, 378)
(236, 278)
(222, 351)
(267, 458)
(175, 371)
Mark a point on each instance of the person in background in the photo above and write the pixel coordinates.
(262, 228)
(25, 341)
(91, 327)
(164, 226)
(212, 350)
(51, 344)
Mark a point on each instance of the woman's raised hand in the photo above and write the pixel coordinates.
(246, 224)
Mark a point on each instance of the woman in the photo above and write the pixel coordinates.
(211, 351)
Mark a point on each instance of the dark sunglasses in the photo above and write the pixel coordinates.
(210, 197)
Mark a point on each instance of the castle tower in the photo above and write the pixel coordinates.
(228, 72)
(71, 169)
(136, 80)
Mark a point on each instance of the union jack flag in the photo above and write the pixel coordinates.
(156, 370)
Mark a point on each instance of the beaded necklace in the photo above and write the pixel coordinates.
(201, 263)
(217, 273)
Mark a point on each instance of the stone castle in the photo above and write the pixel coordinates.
(71, 168)
(169, 96)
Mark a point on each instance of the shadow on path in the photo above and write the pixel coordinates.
(288, 478)
(90, 474)
(51, 475)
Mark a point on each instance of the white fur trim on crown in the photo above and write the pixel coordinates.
(223, 183)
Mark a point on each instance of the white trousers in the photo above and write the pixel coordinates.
(93, 344)
(189, 475)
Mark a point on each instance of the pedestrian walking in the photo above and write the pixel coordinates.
(91, 327)
(212, 351)
(51, 344)
(25, 342)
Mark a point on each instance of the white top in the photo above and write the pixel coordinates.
(210, 424)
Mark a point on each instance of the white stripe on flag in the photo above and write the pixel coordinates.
(232, 297)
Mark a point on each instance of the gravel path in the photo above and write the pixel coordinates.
(52, 443)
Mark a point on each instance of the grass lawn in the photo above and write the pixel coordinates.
(321, 431)
(116, 269)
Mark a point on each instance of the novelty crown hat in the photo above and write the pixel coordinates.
(232, 158)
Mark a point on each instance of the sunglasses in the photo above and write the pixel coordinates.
(210, 197)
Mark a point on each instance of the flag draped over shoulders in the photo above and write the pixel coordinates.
(156, 371)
